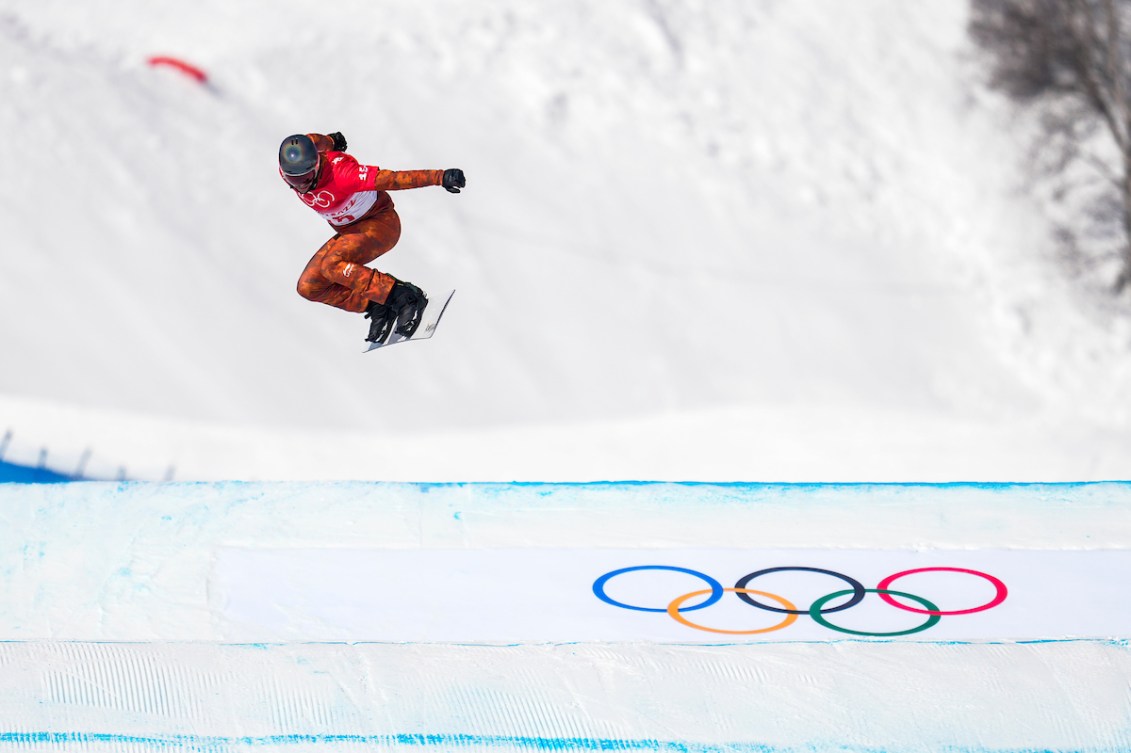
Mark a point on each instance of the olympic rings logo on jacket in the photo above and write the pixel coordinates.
(320, 200)
(817, 610)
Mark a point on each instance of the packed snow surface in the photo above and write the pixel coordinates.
(225, 617)
(700, 240)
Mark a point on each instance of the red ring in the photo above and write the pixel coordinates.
(999, 597)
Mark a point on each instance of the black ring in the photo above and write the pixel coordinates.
(858, 591)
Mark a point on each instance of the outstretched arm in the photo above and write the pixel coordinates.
(396, 180)
(391, 180)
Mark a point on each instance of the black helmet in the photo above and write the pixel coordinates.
(298, 162)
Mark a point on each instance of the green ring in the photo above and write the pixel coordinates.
(815, 613)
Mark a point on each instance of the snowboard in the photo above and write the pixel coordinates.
(437, 305)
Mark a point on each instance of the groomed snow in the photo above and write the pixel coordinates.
(120, 627)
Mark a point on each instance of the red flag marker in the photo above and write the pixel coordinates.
(188, 69)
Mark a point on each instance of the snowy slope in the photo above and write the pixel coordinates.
(700, 240)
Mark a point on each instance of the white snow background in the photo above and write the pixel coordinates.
(720, 240)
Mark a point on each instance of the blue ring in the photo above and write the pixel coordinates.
(599, 587)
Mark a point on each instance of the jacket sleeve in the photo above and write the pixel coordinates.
(395, 180)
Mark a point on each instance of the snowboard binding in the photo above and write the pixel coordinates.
(381, 320)
(404, 307)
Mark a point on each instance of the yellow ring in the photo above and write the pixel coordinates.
(673, 612)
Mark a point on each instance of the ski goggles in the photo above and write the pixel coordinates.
(303, 182)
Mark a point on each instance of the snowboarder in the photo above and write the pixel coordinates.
(354, 199)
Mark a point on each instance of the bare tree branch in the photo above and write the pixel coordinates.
(1069, 61)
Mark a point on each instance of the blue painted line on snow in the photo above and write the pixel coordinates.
(458, 741)
(446, 741)
(553, 487)
(751, 485)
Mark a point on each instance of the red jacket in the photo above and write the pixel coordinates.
(346, 190)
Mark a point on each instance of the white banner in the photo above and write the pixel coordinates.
(675, 596)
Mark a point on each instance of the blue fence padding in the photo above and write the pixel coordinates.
(11, 473)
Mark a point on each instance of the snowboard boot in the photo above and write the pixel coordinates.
(381, 320)
(408, 303)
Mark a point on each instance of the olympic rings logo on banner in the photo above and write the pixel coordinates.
(817, 610)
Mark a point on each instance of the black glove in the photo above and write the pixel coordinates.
(339, 141)
(454, 180)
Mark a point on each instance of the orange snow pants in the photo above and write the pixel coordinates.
(336, 275)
